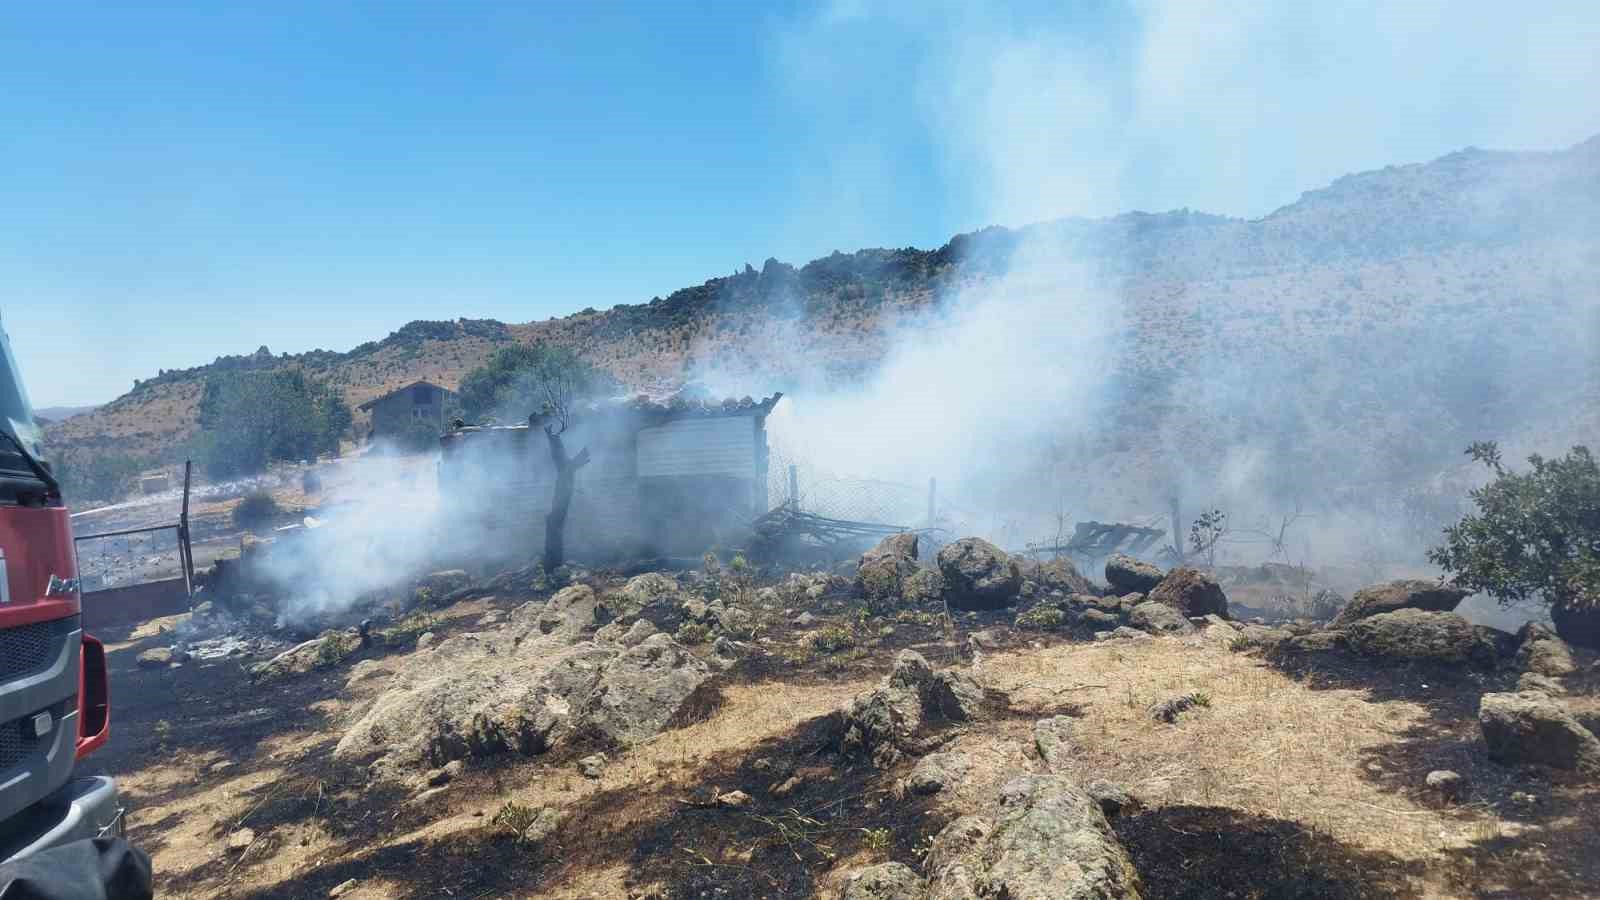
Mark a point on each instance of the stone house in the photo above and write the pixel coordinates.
(396, 414)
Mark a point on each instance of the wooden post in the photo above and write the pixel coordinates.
(794, 488)
(933, 497)
(1177, 529)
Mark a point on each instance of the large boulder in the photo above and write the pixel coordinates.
(1416, 635)
(1578, 626)
(888, 721)
(1050, 839)
(884, 881)
(1056, 575)
(525, 687)
(883, 571)
(1127, 575)
(1192, 592)
(1541, 652)
(1389, 596)
(1160, 618)
(979, 575)
(1533, 728)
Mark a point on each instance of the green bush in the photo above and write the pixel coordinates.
(250, 419)
(1535, 534)
(1042, 618)
(255, 511)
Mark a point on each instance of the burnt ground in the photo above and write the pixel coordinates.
(1361, 827)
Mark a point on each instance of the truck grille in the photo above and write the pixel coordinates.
(17, 741)
(28, 649)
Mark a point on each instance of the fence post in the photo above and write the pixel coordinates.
(933, 496)
(794, 488)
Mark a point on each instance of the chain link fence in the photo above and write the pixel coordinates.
(119, 560)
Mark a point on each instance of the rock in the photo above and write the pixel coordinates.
(240, 841)
(444, 583)
(955, 858)
(978, 575)
(524, 688)
(1390, 596)
(492, 617)
(1261, 635)
(805, 620)
(1580, 627)
(1534, 728)
(1098, 620)
(1052, 737)
(1416, 635)
(734, 799)
(593, 765)
(886, 721)
(736, 622)
(937, 771)
(640, 592)
(637, 693)
(427, 797)
(883, 570)
(1448, 785)
(444, 774)
(1533, 681)
(984, 640)
(343, 887)
(1127, 575)
(155, 658)
(1159, 618)
(1113, 798)
(330, 649)
(1121, 633)
(1049, 840)
(1217, 630)
(696, 610)
(1170, 708)
(1059, 575)
(885, 881)
(923, 587)
(1541, 652)
(1191, 592)
(1313, 642)
(425, 640)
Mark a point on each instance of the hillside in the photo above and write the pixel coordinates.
(1403, 302)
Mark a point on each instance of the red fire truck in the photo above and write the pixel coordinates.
(54, 703)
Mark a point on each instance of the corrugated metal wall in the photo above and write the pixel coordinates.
(711, 446)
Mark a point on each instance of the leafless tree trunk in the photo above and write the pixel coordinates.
(555, 524)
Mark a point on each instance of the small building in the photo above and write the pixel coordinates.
(154, 483)
(395, 415)
(668, 479)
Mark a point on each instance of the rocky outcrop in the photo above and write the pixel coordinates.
(937, 772)
(885, 881)
(1048, 839)
(1192, 592)
(1429, 596)
(1160, 618)
(979, 575)
(525, 688)
(1541, 652)
(1415, 635)
(1127, 575)
(1534, 728)
(890, 720)
(883, 571)
(1056, 575)
(1052, 738)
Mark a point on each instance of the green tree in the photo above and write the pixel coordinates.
(250, 419)
(88, 475)
(520, 381)
(1536, 534)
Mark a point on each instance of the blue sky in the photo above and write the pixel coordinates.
(186, 180)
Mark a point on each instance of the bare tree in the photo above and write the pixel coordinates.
(555, 522)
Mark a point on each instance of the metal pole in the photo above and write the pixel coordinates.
(794, 487)
(933, 496)
(185, 550)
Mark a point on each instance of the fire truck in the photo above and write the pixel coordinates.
(54, 699)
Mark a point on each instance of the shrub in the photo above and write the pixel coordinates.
(1042, 618)
(833, 638)
(255, 511)
(1536, 534)
(693, 633)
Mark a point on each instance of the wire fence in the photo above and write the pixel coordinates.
(119, 560)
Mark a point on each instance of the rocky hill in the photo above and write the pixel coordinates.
(1406, 298)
